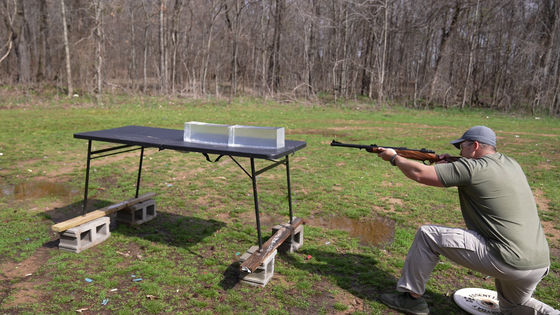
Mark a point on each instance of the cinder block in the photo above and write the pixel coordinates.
(84, 236)
(294, 242)
(262, 274)
(113, 225)
(139, 213)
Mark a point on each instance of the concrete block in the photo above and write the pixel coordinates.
(139, 213)
(294, 242)
(84, 236)
(262, 274)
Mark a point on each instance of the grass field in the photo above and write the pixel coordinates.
(188, 255)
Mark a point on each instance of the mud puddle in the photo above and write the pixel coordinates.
(375, 232)
(37, 189)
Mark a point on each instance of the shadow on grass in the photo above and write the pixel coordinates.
(231, 276)
(73, 210)
(166, 228)
(173, 229)
(360, 276)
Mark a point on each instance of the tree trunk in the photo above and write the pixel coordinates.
(145, 64)
(145, 42)
(380, 93)
(233, 24)
(178, 7)
(132, 66)
(215, 12)
(22, 44)
(446, 32)
(369, 64)
(43, 64)
(274, 58)
(66, 49)
(554, 108)
(9, 21)
(162, 46)
(264, 32)
(99, 46)
(344, 86)
(472, 47)
(312, 48)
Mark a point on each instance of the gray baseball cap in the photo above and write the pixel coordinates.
(481, 134)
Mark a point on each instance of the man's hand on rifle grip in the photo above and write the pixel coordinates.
(386, 154)
(444, 158)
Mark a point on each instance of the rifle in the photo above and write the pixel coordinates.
(424, 155)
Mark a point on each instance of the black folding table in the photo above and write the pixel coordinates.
(133, 138)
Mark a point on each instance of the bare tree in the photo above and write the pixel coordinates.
(274, 55)
(461, 53)
(174, 30)
(9, 15)
(446, 31)
(380, 94)
(232, 14)
(99, 44)
(472, 47)
(66, 49)
(22, 43)
(216, 8)
(162, 47)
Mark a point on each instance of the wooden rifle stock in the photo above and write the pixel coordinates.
(424, 155)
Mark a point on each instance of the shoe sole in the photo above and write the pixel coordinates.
(406, 311)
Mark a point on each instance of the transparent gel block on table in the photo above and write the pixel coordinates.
(257, 137)
(206, 133)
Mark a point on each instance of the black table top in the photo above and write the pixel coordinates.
(172, 139)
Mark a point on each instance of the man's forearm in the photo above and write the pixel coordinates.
(424, 174)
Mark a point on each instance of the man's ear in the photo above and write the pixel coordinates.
(476, 145)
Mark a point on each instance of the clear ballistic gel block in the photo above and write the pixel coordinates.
(257, 137)
(234, 136)
(200, 132)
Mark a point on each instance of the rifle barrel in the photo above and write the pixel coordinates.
(335, 143)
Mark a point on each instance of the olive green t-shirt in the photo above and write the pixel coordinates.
(497, 202)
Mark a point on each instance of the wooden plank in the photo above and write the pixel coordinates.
(65, 225)
(256, 259)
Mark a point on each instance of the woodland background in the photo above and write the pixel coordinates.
(497, 54)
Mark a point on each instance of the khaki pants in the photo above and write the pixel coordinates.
(468, 248)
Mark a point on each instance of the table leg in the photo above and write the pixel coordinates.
(256, 200)
(84, 205)
(289, 188)
(139, 171)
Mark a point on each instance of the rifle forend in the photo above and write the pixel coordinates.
(424, 155)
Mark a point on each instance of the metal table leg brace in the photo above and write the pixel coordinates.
(91, 155)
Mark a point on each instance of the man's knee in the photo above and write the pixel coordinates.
(428, 231)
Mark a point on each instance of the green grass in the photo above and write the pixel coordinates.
(187, 256)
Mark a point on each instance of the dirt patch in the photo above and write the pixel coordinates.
(390, 203)
(12, 270)
(553, 234)
(545, 166)
(393, 201)
(354, 304)
(19, 281)
(391, 184)
(541, 201)
(25, 292)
